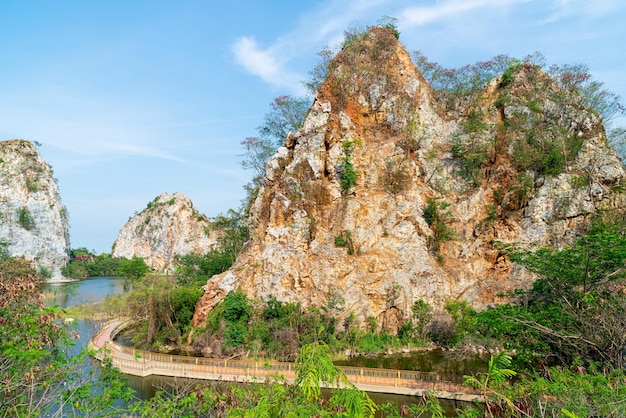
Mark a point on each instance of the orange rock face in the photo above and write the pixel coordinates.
(373, 242)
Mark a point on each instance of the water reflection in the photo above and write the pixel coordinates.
(91, 290)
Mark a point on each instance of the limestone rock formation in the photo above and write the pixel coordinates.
(33, 220)
(387, 195)
(167, 227)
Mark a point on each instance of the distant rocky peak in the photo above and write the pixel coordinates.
(33, 219)
(169, 226)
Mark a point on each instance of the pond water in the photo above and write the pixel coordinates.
(91, 290)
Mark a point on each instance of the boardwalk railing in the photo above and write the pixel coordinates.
(144, 363)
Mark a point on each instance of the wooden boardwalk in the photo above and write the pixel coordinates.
(144, 363)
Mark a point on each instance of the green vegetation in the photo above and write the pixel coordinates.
(31, 185)
(344, 240)
(25, 219)
(85, 264)
(133, 270)
(39, 377)
(196, 269)
(348, 174)
(163, 310)
(163, 305)
(276, 329)
(439, 220)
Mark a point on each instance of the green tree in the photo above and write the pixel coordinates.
(286, 114)
(422, 315)
(39, 376)
(196, 269)
(575, 308)
(133, 270)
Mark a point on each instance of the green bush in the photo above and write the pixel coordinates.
(439, 220)
(344, 240)
(133, 269)
(31, 185)
(184, 300)
(508, 76)
(464, 318)
(349, 175)
(25, 219)
(75, 270)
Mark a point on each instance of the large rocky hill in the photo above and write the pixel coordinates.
(169, 226)
(388, 195)
(33, 220)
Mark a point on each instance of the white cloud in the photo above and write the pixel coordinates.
(262, 63)
(313, 30)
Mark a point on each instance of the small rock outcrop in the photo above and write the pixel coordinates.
(388, 195)
(33, 220)
(168, 227)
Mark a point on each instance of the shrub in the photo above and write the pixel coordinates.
(344, 240)
(463, 315)
(348, 176)
(25, 219)
(508, 76)
(31, 185)
(439, 220)
(422, 315)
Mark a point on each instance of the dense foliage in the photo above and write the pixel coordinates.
(276, 329)
(84, 263)
(40, 376)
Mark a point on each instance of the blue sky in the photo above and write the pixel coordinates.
(133, 98)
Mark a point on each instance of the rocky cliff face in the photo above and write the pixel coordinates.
(167, 227)
(387, 195)
(33, 220)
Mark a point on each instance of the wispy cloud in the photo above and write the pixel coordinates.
(423, 15)
(64, 116)
(323, 25)
(263, 63)
(564, 9)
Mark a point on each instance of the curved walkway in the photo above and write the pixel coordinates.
(144, 363)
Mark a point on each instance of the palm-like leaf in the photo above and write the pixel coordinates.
(498, 367)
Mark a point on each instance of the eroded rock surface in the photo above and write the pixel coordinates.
(33, 220)
(478, 164)
(169, 226)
